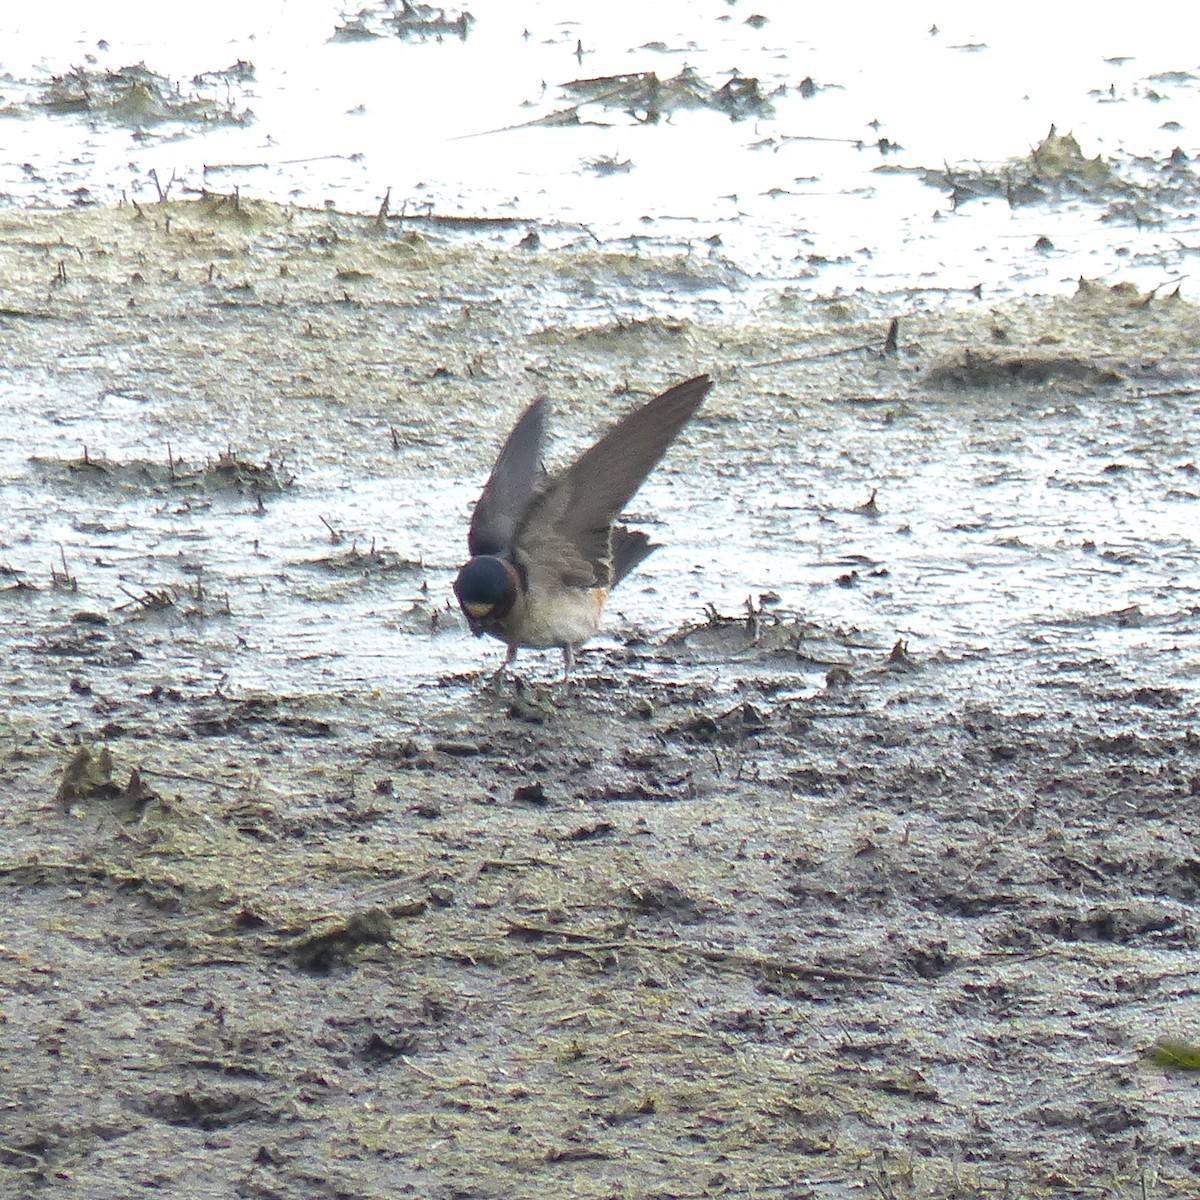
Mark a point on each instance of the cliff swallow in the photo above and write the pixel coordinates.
(546, 550)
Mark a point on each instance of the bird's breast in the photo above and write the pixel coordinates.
(544, 617)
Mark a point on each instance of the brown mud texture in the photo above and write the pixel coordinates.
(770, 904)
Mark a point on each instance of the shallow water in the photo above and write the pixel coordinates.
(1002, 522)
(801, 196)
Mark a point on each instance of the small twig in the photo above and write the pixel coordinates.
(17, 1152)
(163, 193)
(870, 508)
(63, 579)
(288, 162)
(537, 929)
(26, 313)
(408, 1062)
(990, 840)
(151, 601)
(890, 345)
(184, 775)
(581, 943)
(803, 358)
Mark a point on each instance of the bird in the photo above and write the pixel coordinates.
(546, 550)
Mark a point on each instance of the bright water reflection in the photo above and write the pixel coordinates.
(796, 196)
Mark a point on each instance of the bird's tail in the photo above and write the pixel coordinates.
(629, 547)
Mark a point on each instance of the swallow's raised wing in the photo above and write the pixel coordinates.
(566, 531)
(513, 483)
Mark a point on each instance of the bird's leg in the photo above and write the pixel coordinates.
(568, 653)
(497, 675)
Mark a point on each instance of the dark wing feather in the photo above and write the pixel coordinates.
(570, 523)
(629, 547)
(513, 482)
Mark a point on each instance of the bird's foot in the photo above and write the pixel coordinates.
(496, 679)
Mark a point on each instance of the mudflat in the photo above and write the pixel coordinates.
(859, 860)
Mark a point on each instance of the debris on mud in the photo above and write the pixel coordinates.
(139, 97)
(1183, 1056)
(14, 584)
(412, 22)
(1138, 191)
(228, 472)
(89, 776)
(247, 478)
(648, 99)
(1054, 168)
(1121, 295)
(239, 716)
(372, 561)
(987, 369)
(325, 948)
(151, 600)
(608, 165)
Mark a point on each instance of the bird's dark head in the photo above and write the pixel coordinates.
(486, 588)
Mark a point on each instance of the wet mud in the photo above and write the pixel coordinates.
(860, 857)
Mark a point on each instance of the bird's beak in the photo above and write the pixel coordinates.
(478, 611)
